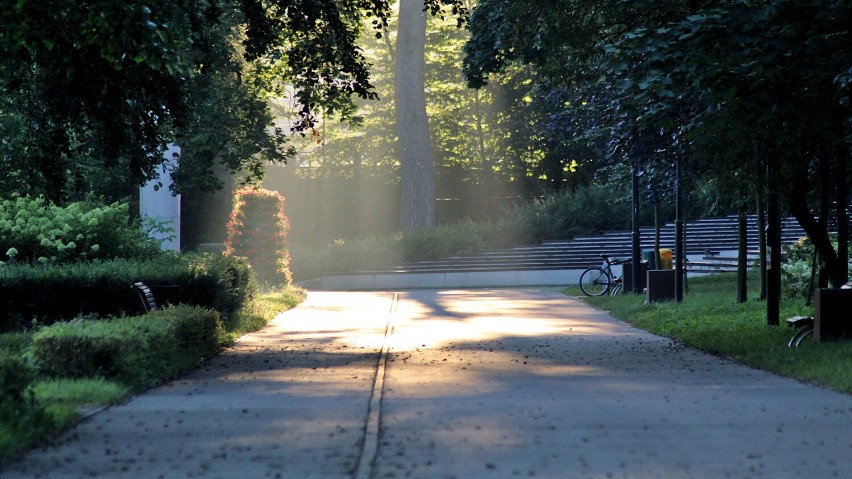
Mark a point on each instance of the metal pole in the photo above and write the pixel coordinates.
(636, 274)
(679, 249)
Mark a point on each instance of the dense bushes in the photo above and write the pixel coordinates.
(563, 215)
(569, 213)
(48, 293)
(18, 408)
(65, 277)
(345, 256)
(257, 230)
(797, 267)
(33, 230)
(442, 241)
(138, 351)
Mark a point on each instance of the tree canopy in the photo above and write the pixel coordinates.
(94, 90)
(727, 88)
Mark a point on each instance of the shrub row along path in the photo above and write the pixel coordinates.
(470, 384)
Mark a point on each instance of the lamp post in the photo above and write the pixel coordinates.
(679, 249)
(635, 261)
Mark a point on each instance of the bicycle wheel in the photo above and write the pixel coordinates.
(594, 282)
(616, 288)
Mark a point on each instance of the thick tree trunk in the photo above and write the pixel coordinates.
(416, 158)
(837, 272)
(824, 211)
(842, 216)
(773, 241)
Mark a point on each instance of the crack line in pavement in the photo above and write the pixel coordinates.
(370, 443)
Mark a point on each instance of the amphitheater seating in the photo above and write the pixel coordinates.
(704, 240)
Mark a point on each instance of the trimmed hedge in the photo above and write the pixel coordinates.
(15, 376)
(139, 351)
(18, 409)
(45, 294)
(257, 230)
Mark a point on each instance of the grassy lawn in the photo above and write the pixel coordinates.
(62, 402)
(710, 319)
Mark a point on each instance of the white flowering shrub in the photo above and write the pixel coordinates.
(797, 267)
(33, 230)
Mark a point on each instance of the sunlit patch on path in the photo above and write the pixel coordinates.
(535, 384)
(460, 384)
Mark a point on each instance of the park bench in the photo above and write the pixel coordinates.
(149, 303)
(804, 327)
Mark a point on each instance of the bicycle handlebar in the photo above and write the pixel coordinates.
(612, 260)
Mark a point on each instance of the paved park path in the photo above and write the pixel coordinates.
(460, 384)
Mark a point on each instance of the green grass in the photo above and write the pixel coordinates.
(709, 319)
(88, 392)
(60, 403)
(264, 308)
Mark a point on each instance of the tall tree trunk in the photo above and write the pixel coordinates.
(761, 231)
(412, 126)
(742, 253)
(842, 215)
(836, 271)
(824, 211)
(773, 240)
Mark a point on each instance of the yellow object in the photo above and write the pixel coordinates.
(665, 258)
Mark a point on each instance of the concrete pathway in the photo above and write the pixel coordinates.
(467, 384)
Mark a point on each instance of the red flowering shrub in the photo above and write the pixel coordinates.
(257, 231)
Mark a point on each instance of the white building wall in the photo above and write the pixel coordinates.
(156, 201)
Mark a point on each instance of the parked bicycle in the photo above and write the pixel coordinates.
(600, 280)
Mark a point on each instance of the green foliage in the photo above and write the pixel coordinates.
(49, 404)
(94, 91)
(222, 282)
(442, 241)
(462, 238)
(15, 343)
(257, 231)
(79, 392)
(263, 308)
(36, 230)
(97, 90)
(48, 293)
(86, 348)
(482, 139)
(645, 83)
(346, 255)
(138, 351)
(21, 417)
(797, 268)
(15, 377)
(568, 213)
(562, 215)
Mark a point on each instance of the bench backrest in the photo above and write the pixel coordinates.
(146, 296)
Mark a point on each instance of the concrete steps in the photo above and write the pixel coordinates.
(710, 243)
(715, 235)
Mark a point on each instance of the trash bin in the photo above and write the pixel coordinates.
(649, 256)
(665, 258)
(628, 276)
